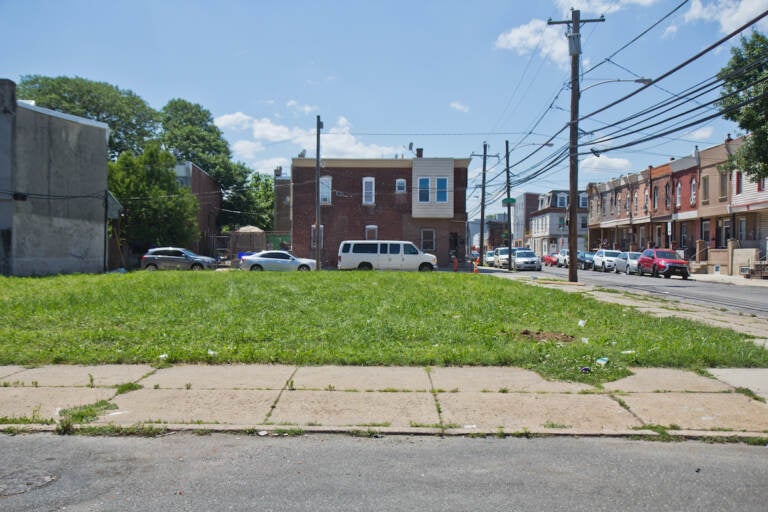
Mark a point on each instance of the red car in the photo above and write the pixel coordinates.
(549, 259)
(663, 262)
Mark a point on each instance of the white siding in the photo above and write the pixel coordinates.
(432, 168)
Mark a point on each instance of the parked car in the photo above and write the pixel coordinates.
(384, 255)
(175, 258)
(488, 258)
(605, 260)
(562, 258)
(501, 257)
(525, 259)
(663, 262)
(585, 259)
(549, 260)
(276, 260)
(627, 262)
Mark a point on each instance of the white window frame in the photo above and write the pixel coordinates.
(371, 232)
(583, 200)
(679, 194)
(693, 191)
(438, 190)
(421, 189)
(326, 190)
(562, 201)
(369, 196)
(433, 233)
(400, 186)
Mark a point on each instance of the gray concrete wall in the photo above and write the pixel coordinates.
(7, 114)
(60, 163)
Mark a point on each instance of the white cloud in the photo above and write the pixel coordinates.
(729, 14)
(302, 109)
(247, 149)
(537, 36)
(669, 32)
(268, 165)
(600, 6)
(703, 133)
(599, 167)
(236, 121)
(455, 105)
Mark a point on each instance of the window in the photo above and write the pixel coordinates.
(582, 200)
(313, 237)
(618, 205)
(666, 196)
(741, 228)
(423, 190)
(561, 223)
(739, 184)
(705, 189)
(629, 200)
(325, 190)
(583, 221)
(655, 198)
(684, 235)
(693, 191)
(723, 185)
(645, 204)
(678, 194)
(371, 232)
(635, 202)
(400, 186)
(441, 195)
(562, 200)
(369, 191)
(761, 184)
(427, 240)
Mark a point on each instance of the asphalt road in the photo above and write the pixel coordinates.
(323, 473)
(749, 300)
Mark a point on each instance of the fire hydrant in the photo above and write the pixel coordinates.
(475, 264)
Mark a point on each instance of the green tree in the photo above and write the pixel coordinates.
(132, 122)
(745, 80)
(157, 210)
(189, 132)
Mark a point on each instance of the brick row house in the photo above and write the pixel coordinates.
(548, 224)
(208, 194)
(422, 200)
(690, 204)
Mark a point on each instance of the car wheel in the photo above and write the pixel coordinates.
(303, 268)
(685, 276)
(654, 271)
(256, 268)
(151, 267)
(197, 266)
(639, 271)
(425, 267)
(365, 266)
(626, 270)
(667, 276)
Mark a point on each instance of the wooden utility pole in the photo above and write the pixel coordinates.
(574, 48)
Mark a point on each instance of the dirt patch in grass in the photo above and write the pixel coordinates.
(543, 336)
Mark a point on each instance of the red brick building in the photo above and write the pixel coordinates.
(208, 194)
(422, 200)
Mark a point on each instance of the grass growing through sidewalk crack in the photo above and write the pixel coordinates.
(128, 387)
(751, 394)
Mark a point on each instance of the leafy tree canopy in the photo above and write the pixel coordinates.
(157, 210)
(131, 120)
(745, 81)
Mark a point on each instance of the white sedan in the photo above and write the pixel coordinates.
(276, 260)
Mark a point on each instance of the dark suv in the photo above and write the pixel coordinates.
(663, 262)
(175, 258)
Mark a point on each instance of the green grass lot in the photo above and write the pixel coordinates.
(345, 318)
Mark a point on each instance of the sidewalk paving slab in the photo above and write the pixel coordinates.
(191, 406)
(80, 376)
(340, 408)
(24, 402)
(515, 411)
(649, 380)
(362, 378)
(700, 411)
(754, 379)
(228, 376)
(494, 378)
(9, 371)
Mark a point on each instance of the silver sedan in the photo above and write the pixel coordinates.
(627, 262)
(276, 260)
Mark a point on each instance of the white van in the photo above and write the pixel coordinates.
(384, 255)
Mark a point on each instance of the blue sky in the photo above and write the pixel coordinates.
(445, 75)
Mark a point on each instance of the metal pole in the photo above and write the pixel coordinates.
(482, 208)
(573, 149)
(318, 238)
(509, 212)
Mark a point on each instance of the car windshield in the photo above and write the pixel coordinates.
(611, 254)
(525, 254)
(503, 251)
(666, 254)
(633, 255)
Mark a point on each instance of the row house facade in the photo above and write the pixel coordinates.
(208, 194)
(422, 200)
(690, 204)
(549, 223)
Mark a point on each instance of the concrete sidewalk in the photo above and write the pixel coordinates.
(390, 400)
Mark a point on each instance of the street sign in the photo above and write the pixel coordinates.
(508, 201)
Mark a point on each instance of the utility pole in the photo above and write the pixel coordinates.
(318, 231)
(574, 49)
(509, 211)
(482, 208)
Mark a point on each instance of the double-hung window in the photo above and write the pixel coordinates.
(369, 191)
(441, 193)
(424, 190)
(400, 186)
(325, 190)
